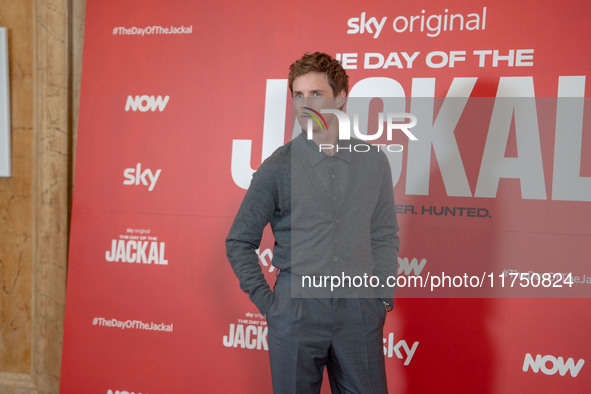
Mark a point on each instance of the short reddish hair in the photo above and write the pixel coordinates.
(320, 62)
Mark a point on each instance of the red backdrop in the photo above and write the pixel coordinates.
(182, 99)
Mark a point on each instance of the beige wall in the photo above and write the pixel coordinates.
(16, 204)
(45, 50)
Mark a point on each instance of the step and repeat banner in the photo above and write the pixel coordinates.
(182, 100)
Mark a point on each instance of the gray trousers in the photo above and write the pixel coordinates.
(345, 335)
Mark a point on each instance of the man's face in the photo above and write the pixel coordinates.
(312, 90)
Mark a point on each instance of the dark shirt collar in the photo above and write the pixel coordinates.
(314, 156)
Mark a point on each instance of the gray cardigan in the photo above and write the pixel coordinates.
(317, 233)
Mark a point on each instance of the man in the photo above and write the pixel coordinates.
(332, 215)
